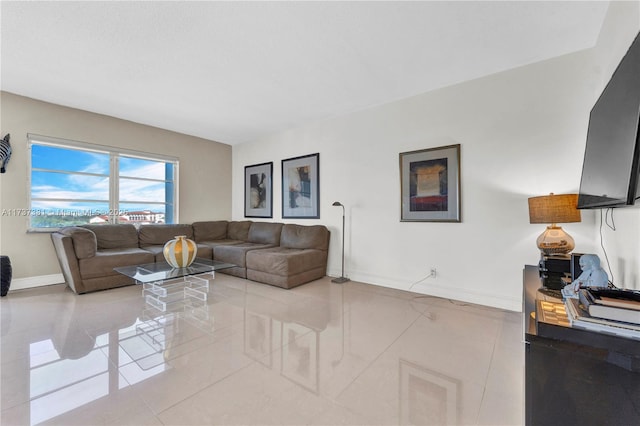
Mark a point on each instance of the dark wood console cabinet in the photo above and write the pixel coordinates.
(573, 376)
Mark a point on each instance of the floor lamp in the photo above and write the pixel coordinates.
(342, 278)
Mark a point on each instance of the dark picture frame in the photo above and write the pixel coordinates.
(301, 187)
(430, 185)
(258, 190)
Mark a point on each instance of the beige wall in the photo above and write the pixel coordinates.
(204, 180)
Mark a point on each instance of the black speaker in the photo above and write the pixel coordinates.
(5, 275)
(576, 270)
(553, 269)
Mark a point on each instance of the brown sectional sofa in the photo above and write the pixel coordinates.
(284, 255)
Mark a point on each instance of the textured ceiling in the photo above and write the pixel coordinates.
(236, 71)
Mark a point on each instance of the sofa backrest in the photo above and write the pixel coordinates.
(239, 230)
(211, 230)
(111, 236)
(265, 232)
(305, 237)
(154, 235)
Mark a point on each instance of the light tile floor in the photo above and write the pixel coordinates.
(319, 354)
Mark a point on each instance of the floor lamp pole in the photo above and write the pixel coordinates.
(342, 278)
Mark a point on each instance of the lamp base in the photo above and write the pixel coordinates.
(555, 241)
(340, 280)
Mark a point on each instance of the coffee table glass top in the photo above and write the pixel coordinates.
(151, 272)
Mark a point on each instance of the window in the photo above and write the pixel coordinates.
(74, 183)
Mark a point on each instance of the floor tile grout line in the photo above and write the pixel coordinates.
(210, 385)
(486, 378)
(375, 359)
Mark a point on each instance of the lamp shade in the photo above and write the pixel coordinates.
(554, 209)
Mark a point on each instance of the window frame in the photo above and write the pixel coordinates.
(114, 154)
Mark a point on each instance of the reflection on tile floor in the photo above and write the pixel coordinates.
(319, 354)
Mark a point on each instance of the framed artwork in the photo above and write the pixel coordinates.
(428, 397)
(301, 187)
(258, 190)
(430, 185)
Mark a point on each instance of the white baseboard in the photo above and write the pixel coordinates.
(39, 281)
(462, 295)
(432, 289)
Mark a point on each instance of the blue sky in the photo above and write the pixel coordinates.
(135, 194)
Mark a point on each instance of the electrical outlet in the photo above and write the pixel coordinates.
(434, 273)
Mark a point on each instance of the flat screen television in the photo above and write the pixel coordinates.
(610, 171)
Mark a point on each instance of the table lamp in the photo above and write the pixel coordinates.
(553, 209)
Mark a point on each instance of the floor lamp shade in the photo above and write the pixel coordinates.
(342, 278)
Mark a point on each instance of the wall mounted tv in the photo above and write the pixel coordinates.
(611, 168)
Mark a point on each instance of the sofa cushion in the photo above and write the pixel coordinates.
(265, 233)
(214, 233)
(84, 241)
(110, 236)
(285, 281)
(239, 230)
(210, 230)
(305, 237)
(204, 251)
(286, 261)
(151, 235)
(236, 253)
(104, 261)
(216, 243)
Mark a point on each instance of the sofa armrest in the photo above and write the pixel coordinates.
(63, 245)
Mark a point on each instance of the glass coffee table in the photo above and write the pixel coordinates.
(164, 285)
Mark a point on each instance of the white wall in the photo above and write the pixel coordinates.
(622, 245)
(204, 179)
(522, 133)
